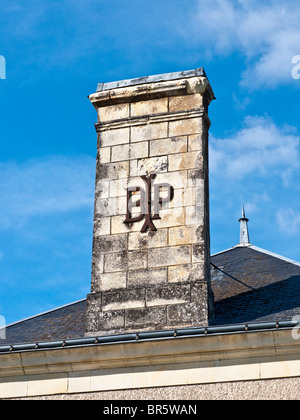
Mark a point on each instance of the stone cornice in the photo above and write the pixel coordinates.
(156, 90)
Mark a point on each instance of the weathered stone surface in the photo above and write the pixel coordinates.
(196, 143)
(171, 217)
(116, 170)
(123, 299)
(186, 273)
(194, 313)
(147, 277)
(154, 106)
(167, 146)
(169, 256)
(181, 103)
(188, 160)
(155, 165)
(151, 318)
(109, 243)
(113, 137)
(183, 127)
(168, 295)
(102, 226)
(114, 112)
(157, 239)
(128, 151)
(110, 281)
(183, 235)
(111, 321)
(105, 322)
(126, 260)
(104, 156)
(149, 132)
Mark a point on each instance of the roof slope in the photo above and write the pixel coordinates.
(61, 323)
(249, 285)
(271, 289)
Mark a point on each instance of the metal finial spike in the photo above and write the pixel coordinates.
(243, 212)
(244, 234)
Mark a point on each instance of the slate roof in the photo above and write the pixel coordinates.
(270, 289)
(249, 285)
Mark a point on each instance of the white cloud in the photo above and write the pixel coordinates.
(45, 186)
(288, 220)
(259, 148)
(266, 33)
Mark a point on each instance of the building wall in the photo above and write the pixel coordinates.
(238, 364)
(271, 389)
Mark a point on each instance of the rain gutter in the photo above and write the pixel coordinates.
(147, 336)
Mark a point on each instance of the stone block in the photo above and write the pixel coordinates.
(183, 235)
(102, 188)
(101, 226)
(189, 160)
(109, 243)
(168, 146)
(186, 273)
(123, 299)
(169, 256)
(116, 170)
(183, 103)
(110, 321)
(109, 281)
(106, 207)
(184, 197)
(117, 261)
(153, 106)
(199, 292)
(170, 218)
(113, 112)
(196, 143)
(104, 155)
(188, 313)
(138, 240)
(129, 151)
(185, 127)
(194, 215)
(126, 260)
(168, 295)
(149, 132)
(198, 253)
(147, 317)
(147, 277)
(156, 165)
(114, 136)
(118, 226)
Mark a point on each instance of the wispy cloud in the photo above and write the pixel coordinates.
(46, 186)
(288, 220)
(266, 33)
(260, 147)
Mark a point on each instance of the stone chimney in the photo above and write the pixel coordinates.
(151, 249)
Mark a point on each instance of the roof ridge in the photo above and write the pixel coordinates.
(273, 254)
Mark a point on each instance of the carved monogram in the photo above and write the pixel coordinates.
(148, 208)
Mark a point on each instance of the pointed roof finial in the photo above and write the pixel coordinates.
(244, 234)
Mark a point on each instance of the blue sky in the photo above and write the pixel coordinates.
(57, 51)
